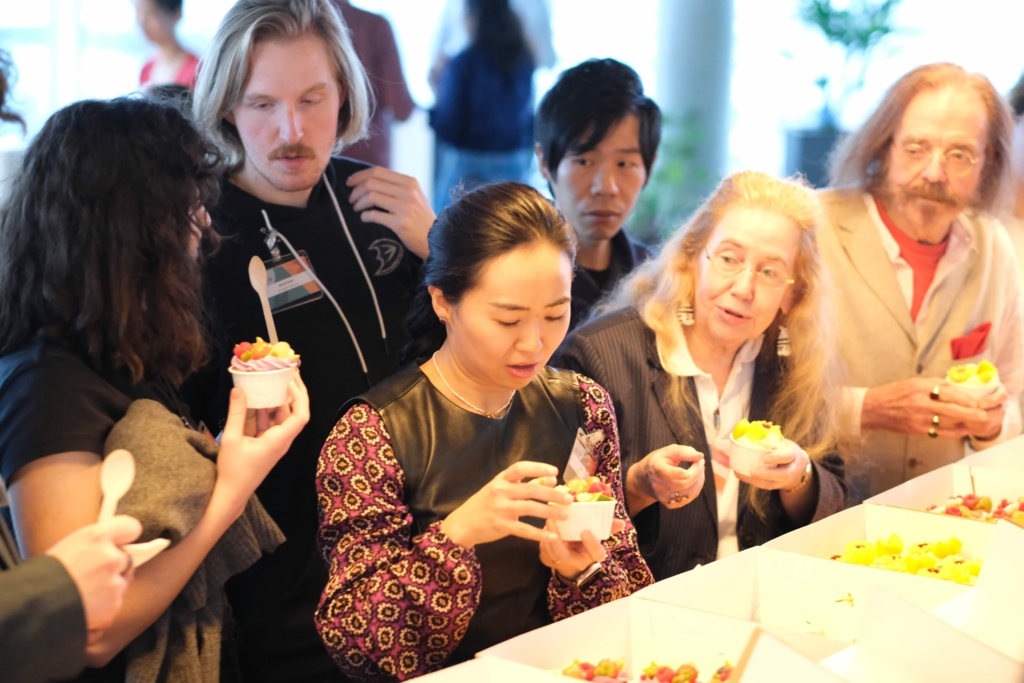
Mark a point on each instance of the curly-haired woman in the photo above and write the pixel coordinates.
(100, 305)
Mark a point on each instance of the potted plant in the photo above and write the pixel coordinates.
(858, 29)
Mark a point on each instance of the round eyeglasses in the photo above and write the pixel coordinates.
(728, 265)
(956, 161)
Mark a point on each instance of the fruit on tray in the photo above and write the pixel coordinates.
(603, 671)
(589, 490)
(982, 508)
(941, 560)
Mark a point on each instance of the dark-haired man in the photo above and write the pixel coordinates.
(596, 136)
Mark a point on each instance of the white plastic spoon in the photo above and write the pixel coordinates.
(116, 476)
(258, 280)
(141, 553)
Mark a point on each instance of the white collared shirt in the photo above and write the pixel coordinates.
(733, 406)
(960, 242)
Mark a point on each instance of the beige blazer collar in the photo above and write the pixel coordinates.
(859, 237)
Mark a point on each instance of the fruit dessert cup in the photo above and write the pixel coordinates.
(977, 380)
(982, 508)
(592, 509)
(942, 560)
(263, 371)
(749, 443)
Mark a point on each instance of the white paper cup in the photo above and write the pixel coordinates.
(596, 517)
(974, 391)
(744, 459)
(268, 389)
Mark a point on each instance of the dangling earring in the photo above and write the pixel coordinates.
(782, 345)
(685, 315)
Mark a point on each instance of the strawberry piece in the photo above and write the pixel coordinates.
(595, 488)
(587, 671)
(242, 348)
(970, 501)
(954, 511)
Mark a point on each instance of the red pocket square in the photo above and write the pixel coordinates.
(972, 343)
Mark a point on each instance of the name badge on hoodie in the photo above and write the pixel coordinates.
(289, 284)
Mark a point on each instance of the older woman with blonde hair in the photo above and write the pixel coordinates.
(730, 322)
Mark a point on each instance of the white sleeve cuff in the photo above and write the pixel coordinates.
(852, 409)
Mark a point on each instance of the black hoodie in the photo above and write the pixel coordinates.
(273, 603)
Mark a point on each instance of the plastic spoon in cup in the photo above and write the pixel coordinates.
(258, 280)
(116, 476)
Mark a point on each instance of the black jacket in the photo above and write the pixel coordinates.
(627, 254)
(42, 621)
(619, 352)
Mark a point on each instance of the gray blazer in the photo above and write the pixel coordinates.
(619, 352)
(42, 621)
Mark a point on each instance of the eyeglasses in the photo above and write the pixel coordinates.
(956, 162)
(728, 265)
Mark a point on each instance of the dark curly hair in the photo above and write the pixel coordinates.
(484, 224)
(97, 232)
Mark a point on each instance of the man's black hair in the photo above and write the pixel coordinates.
(587, 100)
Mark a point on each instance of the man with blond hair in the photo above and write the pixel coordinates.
(924, 276)
(282, 91)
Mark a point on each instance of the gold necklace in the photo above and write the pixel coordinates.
(483, 412)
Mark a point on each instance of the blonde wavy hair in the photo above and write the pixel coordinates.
(862, 160)
(225, 70)
(807, 402)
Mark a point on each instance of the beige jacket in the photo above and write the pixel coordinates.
(880, 343)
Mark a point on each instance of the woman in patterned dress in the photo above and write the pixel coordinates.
(425, 503)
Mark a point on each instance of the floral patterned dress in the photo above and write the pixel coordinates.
(397, 604)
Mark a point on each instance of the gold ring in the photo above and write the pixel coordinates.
(934, 395)
(935, 420)
(932, 433)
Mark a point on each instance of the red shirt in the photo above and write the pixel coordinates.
(922, 258)
(186, 75)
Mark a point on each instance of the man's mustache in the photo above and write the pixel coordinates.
(292, 151)
(936, 192)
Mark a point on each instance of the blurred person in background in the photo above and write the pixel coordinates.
(452, 37)
(374, 43)
(596, 138)
(172, 63)
(1012, 217)
(483, 116)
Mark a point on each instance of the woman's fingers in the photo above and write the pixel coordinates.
(529, 508)
(527, 531)
(532, 491)
(234, 426)
(524, 469)
(593, 547)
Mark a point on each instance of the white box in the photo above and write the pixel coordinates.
(993, 612)
(1006, 456)
(904, 644)
(640, 631)
(770, 658)
(958, 479)
(814, 605)
(492, 670)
